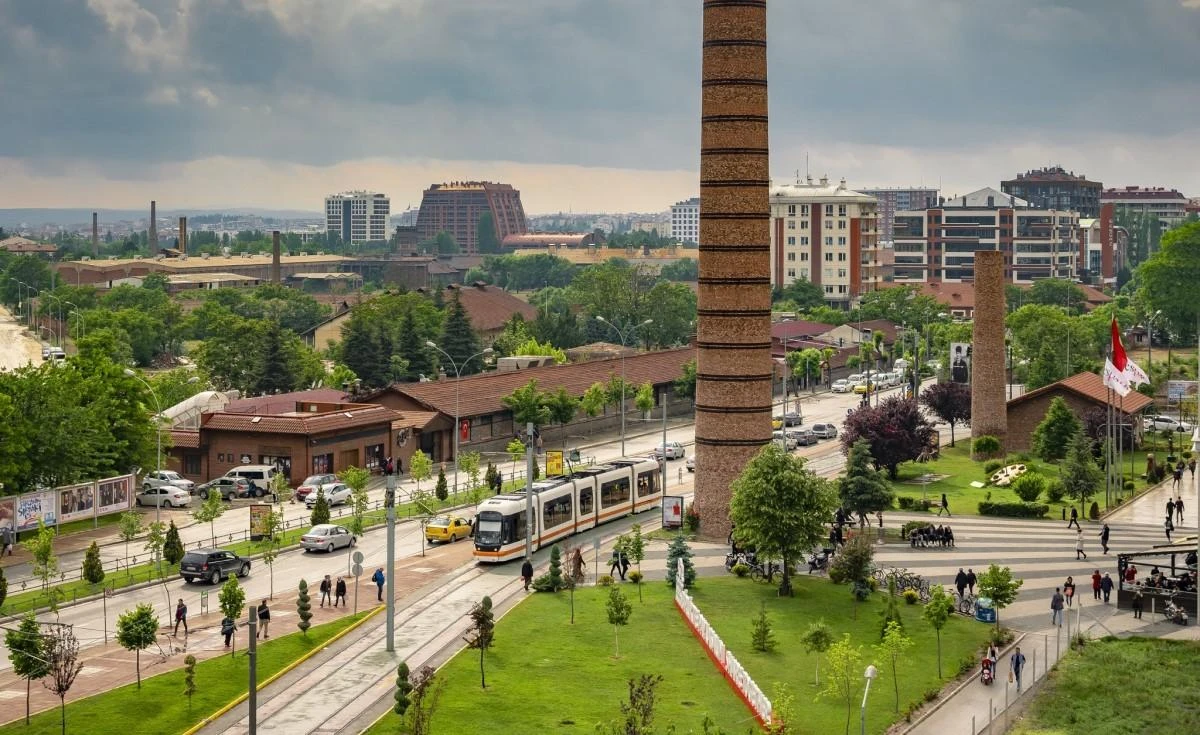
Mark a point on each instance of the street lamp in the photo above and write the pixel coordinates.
(870, 675)
(457, 379)
(622, 335)
(157, 431)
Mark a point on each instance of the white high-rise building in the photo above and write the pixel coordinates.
(685, 220)
(358, 216)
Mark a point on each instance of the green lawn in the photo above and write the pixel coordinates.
(87, 524)
(160, 707)
(1094, 691)
(730, 604)
(546, 676)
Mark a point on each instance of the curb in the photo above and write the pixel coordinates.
(286, 669)
(927, 713)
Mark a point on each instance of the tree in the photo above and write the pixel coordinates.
(676, 550)
(685, 384)
(853, 565)
(156, 537)
(817, 640)
(189, 678)
(27, 651)
(442, 490)
(637, 716)
(270, 542)
(893, 646)
(281, 491)
(516, 452)
(844, 665)
(1168, 277)
(937, 613)
(644, 398)
(482, 632)
(303, 609)
(232, 600)
(277, 372)
(801, 292)
(93, 570)
(1080, 475)
(61, 649)
(950, 402)
(41, 548)
(1053, 435)
(805, 365)
(595, 398)
(485, 230)
(356, 479)
(459, 339)
(998, 584)
(863, 489)
(762, 637)
(420, 466)
(423, 698)
(136, 631)
(635, 545)
(130, 527)
(896, 430)
(561, 408)
(528, 405)
(619, 609)
(209, 511)
(173, 545)
(320, 509)
(780, 507)
(403, 688)
(469, 463)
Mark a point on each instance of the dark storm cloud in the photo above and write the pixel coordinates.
(572, 81)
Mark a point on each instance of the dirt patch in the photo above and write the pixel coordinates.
(17, 348)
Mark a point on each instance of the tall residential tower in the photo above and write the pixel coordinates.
(358, 216)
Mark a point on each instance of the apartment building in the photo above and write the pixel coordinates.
(1168, 205)
(685, 220)
(827, 234)
(456, 207)
(358, 216)
(1056, 188)
(938, 244)
(892, 200)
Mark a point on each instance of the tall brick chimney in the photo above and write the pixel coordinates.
(1108, 271)
(152, 232)
(733, 335)
(183, 235)
(989, 415)
(275, 255)
(95, 234)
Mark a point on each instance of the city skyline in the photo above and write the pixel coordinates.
(582, 106)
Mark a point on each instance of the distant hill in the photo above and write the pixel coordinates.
(12, 218)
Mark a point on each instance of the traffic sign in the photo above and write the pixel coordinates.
(358, 570)
(357, 557)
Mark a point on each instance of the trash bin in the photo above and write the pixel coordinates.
(985, 612)
(574, 454)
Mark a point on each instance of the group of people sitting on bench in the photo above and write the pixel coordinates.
(931, 536)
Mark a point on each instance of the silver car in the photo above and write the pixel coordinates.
(327, 537)
(158, 478)
(337, 494)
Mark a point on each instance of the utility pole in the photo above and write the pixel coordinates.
(389, 500)
(664, 459)
(253, 653)
(529, 460)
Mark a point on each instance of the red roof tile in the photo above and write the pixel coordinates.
(284, 402)
(798, 328)
(352, 416)
(490, 306)
(1090, 386)
(185, 439)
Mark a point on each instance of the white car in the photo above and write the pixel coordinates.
(158, 478)
(691, 463)
(326, 537)
(670, 450)
(842, 386)
(167, 496)
(1164, 423)
(338, 494)
(788, 441)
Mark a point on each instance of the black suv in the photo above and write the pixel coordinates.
(213, 565)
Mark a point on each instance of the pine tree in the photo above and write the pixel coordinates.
(442, 491)
(678, 549)
(1053, 435)
(189, 678)
(762, 636)
(891, 609)
(303, 609)
(555, 573)
(173, 546)
(93, 570)
(412, 348)
(403, 687)
(863, 489)
(459, 339)
(320, 511)
(277, 372)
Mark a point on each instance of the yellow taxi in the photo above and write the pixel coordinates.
(863, 388)
(446, 529)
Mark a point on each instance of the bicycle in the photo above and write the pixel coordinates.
(966, 603)
(758, 572)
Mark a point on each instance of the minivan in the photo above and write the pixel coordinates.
(259, 476)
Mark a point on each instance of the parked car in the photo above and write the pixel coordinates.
(690, 463)
(787, 440)
(825, 431)
(336, 494)
(842, 386)
(1164, 423)
(792, 418)
(312, 482)
(228, 487)
(259, 476)
(865, 387)
(327, 537)
(803, 437)
(670, 450)
(167, 496)
(158, 478)
(447, 529)
(855, 378)
(212, 565)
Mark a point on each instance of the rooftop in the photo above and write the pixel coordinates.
(1050, 173)
(1091, 387)
(798, 328)
(822, 189)
(1130, 193)
(18, 244)
(201, 263)
(985, 198)
(344, 416)
(490, 306)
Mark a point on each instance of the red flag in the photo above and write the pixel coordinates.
(1118, 351)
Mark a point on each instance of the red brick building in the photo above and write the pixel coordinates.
(455, 208)
(1082, 393)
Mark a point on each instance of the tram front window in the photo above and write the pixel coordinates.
(487, 529)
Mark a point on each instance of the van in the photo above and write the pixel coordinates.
(258, 475)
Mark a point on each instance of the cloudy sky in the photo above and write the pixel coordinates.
(584, 105)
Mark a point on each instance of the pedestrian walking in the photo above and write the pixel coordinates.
(624, 564)
(1179, 509)
(1192, 467)
(879, 517)
(1016, 666)
(527, 573)
(379, 579)
(1079, 552)
(339, 592)
(960, 581)
(614, 564)
(1074, 519)
(1056, 607)
(1069, 590)
(264, 620)
(971, 580)
(945, 506)
(6, 541)
(1170, 507)
(1137, 603)
(1177, 477)
(1104, 538)
(227, 628)
(181, 617)
(1168, 526)
(1096, 585)
(1106, 585)
(326, 590)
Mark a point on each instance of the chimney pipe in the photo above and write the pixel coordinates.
(152, 233)
(275, 276)
(95, 235)
(183, 235)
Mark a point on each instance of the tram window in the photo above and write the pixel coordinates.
(647, 484)
(555, 512)
(585, 501)
(514, 528)
(614, 492)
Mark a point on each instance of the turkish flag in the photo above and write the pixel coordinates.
(1118, 350)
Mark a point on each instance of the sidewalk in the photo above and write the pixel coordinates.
(1150, 508)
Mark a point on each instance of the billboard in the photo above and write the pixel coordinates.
(554, 463)
(1181, 390)
(672, 511)
(960, 362)
(76, 501)
(114, 494)
(8, 513)
(36, 507)
(258, 520)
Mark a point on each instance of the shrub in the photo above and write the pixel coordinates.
(986, 445)
(911, 597)
(692, 519)
(740, 570)
(1128, 485)
(762, 636)
(1094, 512)
(991, 466)
(1014, 510)
(1029, 486)
(1055, 491)
(907, 503)
(605, 580)
(1018, 458)
(908, 528)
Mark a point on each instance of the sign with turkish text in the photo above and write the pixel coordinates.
(36, 507)
(258, 520)
(554, 463)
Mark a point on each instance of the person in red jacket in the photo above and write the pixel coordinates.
(1096, 584)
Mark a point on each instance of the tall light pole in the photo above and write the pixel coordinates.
(623, 335)
(157, 432)
(870, 675)
(457, 379)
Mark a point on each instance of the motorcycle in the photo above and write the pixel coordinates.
(819, 561)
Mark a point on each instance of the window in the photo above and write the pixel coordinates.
(803, 240)
(585, 501)
(804, 224)
(791, 210)
(828, 257)
(841, 257)
(791, 224)
(791, 256)
(829, 273)
(829, 224)
(614, 492)
(829, 241)
(841, 224)
(828, 210)
(804, 210)
(791, 272)
(557, 511)
(803, 257)
(791, 240)
(804, 273)
(191, 464)
(842, 289)
(841, 210)
(841, 272)
(647, 484)
(841, 241)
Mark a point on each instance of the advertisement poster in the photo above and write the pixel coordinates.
(672, 511)
(960, 362)
(8, 513)
(115, 494)
(258, 520)
(554, 463)
(37, 506)
(76, 502)
(1181, 390)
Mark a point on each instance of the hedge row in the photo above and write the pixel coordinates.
(1013, 510)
